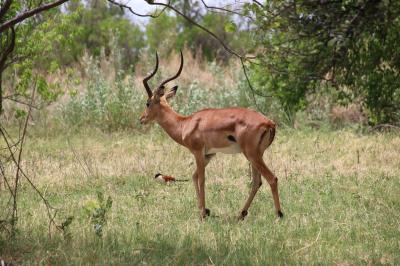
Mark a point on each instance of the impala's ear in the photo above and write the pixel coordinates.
(159, 93)
(171, 93)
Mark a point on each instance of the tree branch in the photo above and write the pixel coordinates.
(123, 6)
(242, 58)
(258, 3)
(3, 58)
(8, 24)
(248, 80)
(226, 47)
(226, 10)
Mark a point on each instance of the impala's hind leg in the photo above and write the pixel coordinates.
(272, 180)
(256, 184)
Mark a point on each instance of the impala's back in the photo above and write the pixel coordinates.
(229, 130)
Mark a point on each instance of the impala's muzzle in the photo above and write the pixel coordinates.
(143, 119)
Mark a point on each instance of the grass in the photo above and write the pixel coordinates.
(339, 193)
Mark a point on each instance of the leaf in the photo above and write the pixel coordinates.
(230, 27)
(67, 222)
(109, 203)
(19, 113)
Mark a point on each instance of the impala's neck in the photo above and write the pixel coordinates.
(171, 122)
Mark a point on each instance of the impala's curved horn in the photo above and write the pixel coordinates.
(148, 90)
(175, 76)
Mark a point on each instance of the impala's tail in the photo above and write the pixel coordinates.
(271, 134)
(267, 137)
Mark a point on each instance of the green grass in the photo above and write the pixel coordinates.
(339, 193)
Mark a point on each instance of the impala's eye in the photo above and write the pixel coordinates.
(148, 104)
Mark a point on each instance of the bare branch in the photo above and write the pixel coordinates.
(17, 173)
(20, 172)
(21, 102)
(226, 10)
(226, 47)
(248, 80)
(258, 3)
(8, 24)
(242, 58)
(123, 6)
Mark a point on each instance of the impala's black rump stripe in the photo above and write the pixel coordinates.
(262, 136)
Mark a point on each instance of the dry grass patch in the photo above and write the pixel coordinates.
(339, 192)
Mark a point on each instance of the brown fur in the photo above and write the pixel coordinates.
(208, 129)
(206, 132)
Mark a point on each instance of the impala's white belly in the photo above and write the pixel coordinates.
(234, 148)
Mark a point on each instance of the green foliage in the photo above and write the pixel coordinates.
(169, 33)
(97, 211)
(194, 97)
(230, 26)
(65, 225)
(108, 105)
(117, 104)
(375, 62)
(162, 33)
(19, 113)
(35, 42)
(350, 47)
(58, 39)
(352, 44)
(96, 23)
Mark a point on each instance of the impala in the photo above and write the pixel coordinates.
(206, 132)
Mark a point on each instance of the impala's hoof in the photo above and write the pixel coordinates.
(242, 215)
(205, 213)
(280, 214)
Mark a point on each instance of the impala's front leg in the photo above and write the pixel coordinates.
(200, 176)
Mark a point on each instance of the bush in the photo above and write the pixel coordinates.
(115, 103)
(108, 105)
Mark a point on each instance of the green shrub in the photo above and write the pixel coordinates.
(108, 105)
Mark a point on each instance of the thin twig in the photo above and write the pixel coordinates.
(19, 172)
(123, 6)
(21, 102)
(226, 10)
(45, 201)
(309, 245)
(258, 3)
(248, 80)
(226, 47)
(86, 170)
